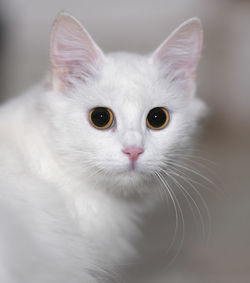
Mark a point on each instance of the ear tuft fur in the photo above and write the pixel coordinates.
(74, 54)
(179, 54)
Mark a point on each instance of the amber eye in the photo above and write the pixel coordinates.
(157, 118)
(101, 117)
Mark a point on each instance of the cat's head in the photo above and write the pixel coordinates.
(120, 117)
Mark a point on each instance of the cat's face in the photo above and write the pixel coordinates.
(120, 117)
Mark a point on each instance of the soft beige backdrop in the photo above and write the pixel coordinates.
(224, 83)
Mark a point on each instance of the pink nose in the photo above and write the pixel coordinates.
(133, 151)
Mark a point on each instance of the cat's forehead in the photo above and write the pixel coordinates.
(128, 78)
(126, 68)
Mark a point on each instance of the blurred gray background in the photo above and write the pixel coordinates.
(223, 82)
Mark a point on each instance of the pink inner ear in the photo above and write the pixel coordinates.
(178, 56)
(73, 52)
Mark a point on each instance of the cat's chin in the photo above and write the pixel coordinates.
(127, 181)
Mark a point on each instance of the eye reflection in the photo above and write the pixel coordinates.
(157, 118)
(101, 118)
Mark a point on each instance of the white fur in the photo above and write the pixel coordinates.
(69, 204)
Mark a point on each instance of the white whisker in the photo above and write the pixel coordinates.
(177, 207)
(191, 170)
(205, 205)
(192, 199)
(166, 187)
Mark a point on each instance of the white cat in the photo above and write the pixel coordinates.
(81, 153)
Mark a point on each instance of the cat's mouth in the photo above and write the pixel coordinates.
(131, 171)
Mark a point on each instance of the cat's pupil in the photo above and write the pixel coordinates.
(100, 116)
(156, 117)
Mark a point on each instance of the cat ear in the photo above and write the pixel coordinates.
(73, 53)
(179, 54)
